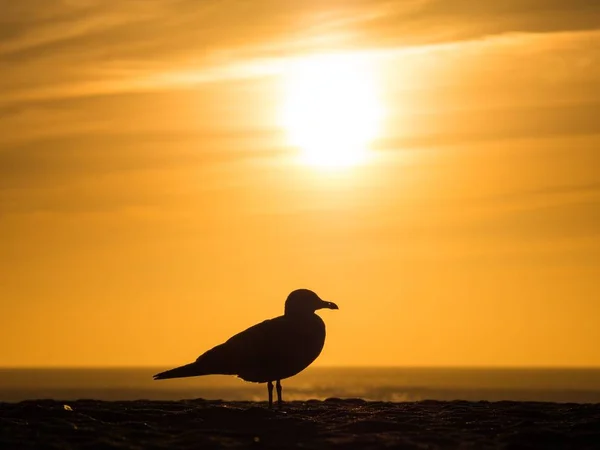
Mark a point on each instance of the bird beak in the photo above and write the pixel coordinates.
(329, 305)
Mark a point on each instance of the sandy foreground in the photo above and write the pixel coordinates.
(333, 423)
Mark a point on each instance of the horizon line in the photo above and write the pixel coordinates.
(447, 367)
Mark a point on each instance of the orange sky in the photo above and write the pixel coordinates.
(152, 202)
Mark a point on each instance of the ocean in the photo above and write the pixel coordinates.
(376, 384)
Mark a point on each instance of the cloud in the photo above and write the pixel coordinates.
(73, 69)
(493, 124)
(91, 46)
(442, 21)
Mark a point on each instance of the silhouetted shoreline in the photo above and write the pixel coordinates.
(313, 424)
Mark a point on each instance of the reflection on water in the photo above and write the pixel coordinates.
(385, 384)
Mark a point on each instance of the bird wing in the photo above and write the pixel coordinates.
(249, 351)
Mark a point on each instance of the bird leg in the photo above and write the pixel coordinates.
(270, 389)
(279, 390)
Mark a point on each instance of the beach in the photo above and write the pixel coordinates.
(313, 424)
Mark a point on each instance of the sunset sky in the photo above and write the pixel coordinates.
(171, 169)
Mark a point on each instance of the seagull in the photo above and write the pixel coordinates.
(270, 351)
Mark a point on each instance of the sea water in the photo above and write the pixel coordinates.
(378, 384)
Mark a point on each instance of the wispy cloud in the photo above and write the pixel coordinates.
(462, 73)
(91, 47)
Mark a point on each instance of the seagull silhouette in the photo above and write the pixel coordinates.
(270, 351)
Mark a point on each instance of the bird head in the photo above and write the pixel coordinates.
(305, 301)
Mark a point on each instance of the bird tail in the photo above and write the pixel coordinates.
(189, 370)
(216, 361)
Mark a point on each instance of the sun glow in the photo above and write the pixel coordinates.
(331, 109)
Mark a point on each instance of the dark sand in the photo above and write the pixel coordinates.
(333, 423)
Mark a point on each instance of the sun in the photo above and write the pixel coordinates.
(331, 110)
